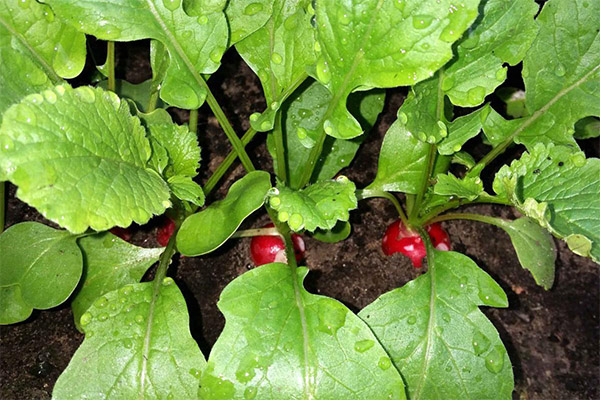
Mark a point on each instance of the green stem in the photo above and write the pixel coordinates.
(368, 194)
(2, 205)
(461, 202)
(164, 262)
(226, 163)
(312, 159)
(280, 149)
(110, 61)
(499, 222)
(193, 124)
(224, 122)
(256, 232)
(153, 100)
(430, 255)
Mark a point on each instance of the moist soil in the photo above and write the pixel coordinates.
(552, 336)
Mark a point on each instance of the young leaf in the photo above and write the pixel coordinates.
(462, 129)
(184, 188)
(339, 232)
(503, 35)
(587, 128)
(358, 51)
(402, 159)
(279, 53)
(208, 229)
(320, 205)
(281, 342)
(109, 263)
(195, 44)
(32, 29)
(246, 17)
(39, 268)
(535, 249)
(468, 188)
(303, 114)
(138, 92)
(19, 76)
(137, 346)
(80, 158)
(444, 347)
(559, 188)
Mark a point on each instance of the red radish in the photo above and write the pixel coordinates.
(398, 238)
(165, 231)
(268, 249)
(123, 233)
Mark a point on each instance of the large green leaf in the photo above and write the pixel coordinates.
(320, 205)
(32, 29)
(208, 229)
(247, 16)
(19, 76)
(503, 35)
(137, 346)
(304, 114)
(443, 345)
(80, 158)
(195, 44)
(560, 189)
(281, 342)
(374, 43)
(39, 268)
(280, 53)
(109, 263)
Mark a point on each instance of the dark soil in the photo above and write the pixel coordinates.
(552, 336)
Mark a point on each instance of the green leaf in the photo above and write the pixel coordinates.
(281, 342)
(137, 346)
(558, 188)
(587, 128)
(279, 53)
(109, 264)
(195, 44)
(462, 129)
(402, 159)
(32, 29)
(515, 101)
(535, 249)
(503, 35)
(138, 92)
(319, 205)
(358, 51)
(184, 188)
(39, 268)
(468, 188)
(203, 7)
(80, 158)
(561, 73)
(498, 130)
(208, 229)
(19, 77)
(302, 115)
(442, 344)
(463, 158)
(339, 232)
(246, 17)
(180, 144)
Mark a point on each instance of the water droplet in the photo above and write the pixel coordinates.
(457, 148)
(296, 222)
(275, 202)
(302, 134)
(276, 58)
(343, 17)
(291, 22)
(449, 34)
(101, 302)
(253, 8)
(578, 159)
(187, 34)
(195, 373)
(23, 3)
(446, 317)
(431, 139)
(215, 55)
(6, 143)
(170, 396)
(471, 42)
(425, 46)
(402, 117)
(89, 334)
(139, 318)
(167, 281)
(103, 317)
(448, 82)
(283, 216)
(85, 319)
(501, 75)
(476, 95)
(127, 343)
(237, 35)
(50, 96)
(25, 115)
(317, 47)
(126, 290)
(255, 116)
(494, 360)
(328, 127)
(560, 70)
(400, 4)
(323, 72)
(411, 320)
(480, 343)
(422, 21)
(384, 363)
(274, 105)
(36, 98)
(363, 345)
(443, 129)
(86, 94)
(107, 31)
(332, 317)
(464, 281)
(171, 5)
(250, 393)
(203, 20)
(48, 14)
(266, 125)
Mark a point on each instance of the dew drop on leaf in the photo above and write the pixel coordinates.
(6, 143)
(422, 21)
(560, 70)
(86, 94)
(323, 72)
(384, 363)
(101, 302)
(171, 5)
(317, 47)
(50, 96)
(291, 22)
(167, 281)
(476, 94)
(411, 320)
(237, 35)
(85, 319)
(36, 99)
(494, 361)
(253, 8)
(446, 317)
(24, 3)
(400, 4)
(363, 345)
(215, 55)
(203, 20)
(250, 393)
(471, 42)
(402, 117)
(328, 127)
(48, 14)
(480, 343)
(187, 34)
(276, 58)
(107, 31)
(332, 317)
(103, 317)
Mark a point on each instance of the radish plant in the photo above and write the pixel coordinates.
(95, 159)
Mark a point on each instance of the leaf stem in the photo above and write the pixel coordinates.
(255, 232)
(484, 198)
(110, 62)
(313, 158)
(226, 126)
(499, 222)
(280, 149)
(430, 160)
(2, 205)
(226, 163)
(367, 194)
(193, 123)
